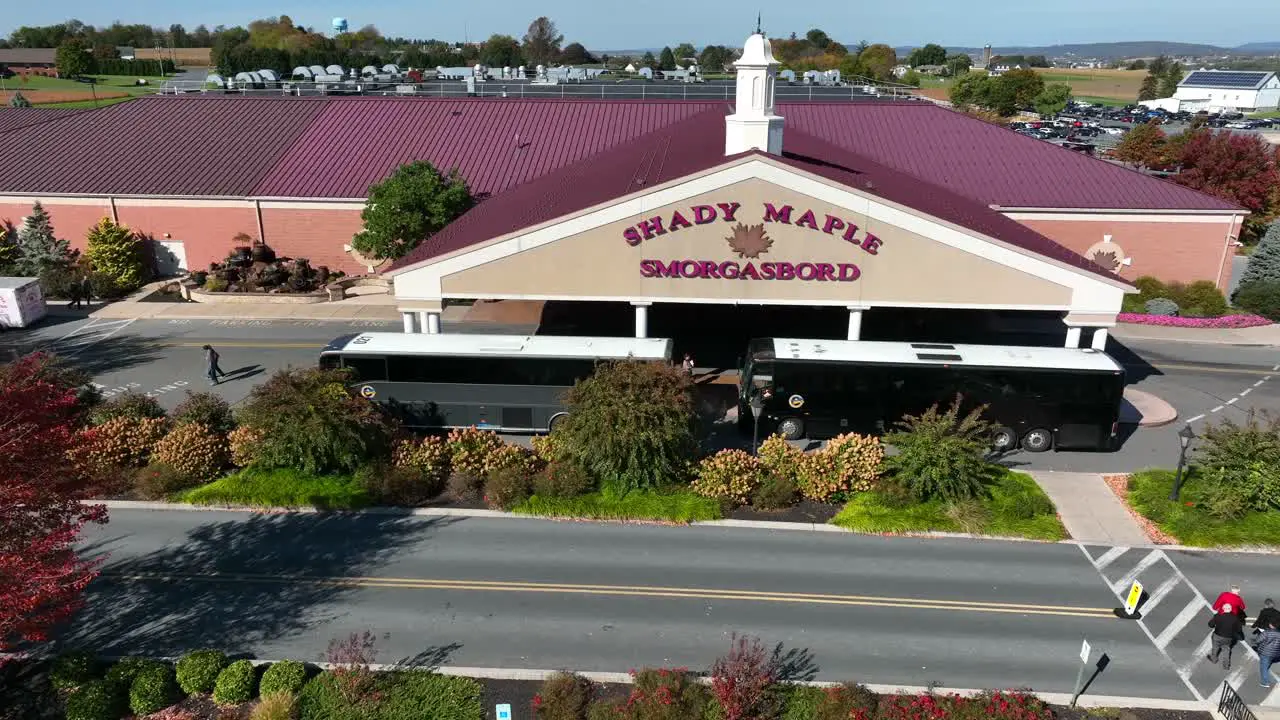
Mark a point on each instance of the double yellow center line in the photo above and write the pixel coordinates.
(506, 586)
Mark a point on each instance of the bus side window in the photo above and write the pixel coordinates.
(330, 362)
(368, 369)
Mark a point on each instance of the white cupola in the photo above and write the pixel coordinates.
(753, 124)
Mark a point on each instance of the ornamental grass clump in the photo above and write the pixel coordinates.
(942, 454)
(729, 475)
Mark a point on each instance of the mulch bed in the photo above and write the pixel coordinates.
(807, 511)
(1119, 485)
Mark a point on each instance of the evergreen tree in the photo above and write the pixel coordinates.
(8, 248)
(1169, 81)
(18, 100)
(1150, 89)
(38, 249)
(1264, 264)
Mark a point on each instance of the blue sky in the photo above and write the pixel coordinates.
(612, 24)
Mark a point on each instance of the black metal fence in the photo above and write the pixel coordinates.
(1232, 706)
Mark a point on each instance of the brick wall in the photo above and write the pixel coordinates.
(206, 233)
(1183, 251)
(315, 234)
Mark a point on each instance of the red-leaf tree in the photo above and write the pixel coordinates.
(41, 514)
(1236, 167)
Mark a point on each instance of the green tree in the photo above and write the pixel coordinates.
(408, 208)
(1158, 65)
(1022, 86)
(8, 248)
(1136, 65)
(649, 61)
(1143, 146)
(667, 59)
(970, 89)
(19, 100)
(1264, 263)
(576, 54)
(73, 59)
(39, 250)
(942, 454)
(851, 67)
(497, 52)
(878, 61)
(911, 78)
(818, 39)
(542, 42)
(958, 65)
(1150, 89)
(712, 59)
(116, 252)
(1169, 81)
(631, 425)
(683, 51)
(931, 54)
(1052, 100)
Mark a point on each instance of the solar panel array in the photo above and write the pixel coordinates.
(1225, 79)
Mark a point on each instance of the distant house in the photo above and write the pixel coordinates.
(899, 71)
(999, 70)
(1239, 90)
(126, 53)
(29, 61)
(932, 69)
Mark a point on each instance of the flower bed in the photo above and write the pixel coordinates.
(1225, 321)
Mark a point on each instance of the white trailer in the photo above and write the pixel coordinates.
(21, 302)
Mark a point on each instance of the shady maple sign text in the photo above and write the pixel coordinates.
(769, 213)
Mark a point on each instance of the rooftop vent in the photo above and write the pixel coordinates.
(941, 357)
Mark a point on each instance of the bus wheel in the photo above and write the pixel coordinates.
(1004, 439)
(791, 428)
(556, 420)
(1037, 440)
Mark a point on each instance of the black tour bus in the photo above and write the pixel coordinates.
(1038, 397)
(509, 383)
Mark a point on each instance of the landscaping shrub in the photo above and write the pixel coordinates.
(470, 450)
(122, 442)
(632, 424)
(236, 683)
(130, 405)
(1201, 298)
(124, 671)
(349, 661)
(153, 689)
(1010, 705)
(678, 506)
(549, 448)
(213, 283)
(564, 696)
(731, 475)
(1247, 320)
(657, 694)
(286, 676)
(1261, 297)
(743, 679)
(198, 670)
(943, 455)
(72, 669)
(506, 487)
(1264, 263)
(407, 695)
(847, 463)
(562, 479)
(308, 419)
(194, 450)
(515, 457)
(207, 409)
(776, 491)
(159, 481)
(118, 254)
(969, 515)
(1149, 287)
(1240, 464)
(105, 287)
(281, 487)
(1160, 306)
(465, 486)
(430, 457)
(779, 457)
(243, 444)
(96, 700)
(398, 486)
(839, 702)
(275, 706)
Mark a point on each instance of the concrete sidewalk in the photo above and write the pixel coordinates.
(361, 307)
(1089, 510)
(1264, 335)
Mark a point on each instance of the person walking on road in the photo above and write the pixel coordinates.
(1269, 615)
(211, 363)
(1228, 629)
(1231, 597)
(1268, 652)
(76, 297)
(86, 291)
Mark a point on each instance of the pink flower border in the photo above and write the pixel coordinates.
(1226, 321)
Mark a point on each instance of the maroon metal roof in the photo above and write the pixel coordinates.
(682, 149)
(496, 144)
(156, 146)
(15, 118)
(986, 162)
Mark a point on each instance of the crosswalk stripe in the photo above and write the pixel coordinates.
(1124, 582)
(1109, 557)
(1197, 657)
(1161, 593)
(1191, 610)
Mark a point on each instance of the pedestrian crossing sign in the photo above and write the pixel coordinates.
(1135, 594)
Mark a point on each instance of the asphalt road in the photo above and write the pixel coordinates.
(541, 594)
(163, 358)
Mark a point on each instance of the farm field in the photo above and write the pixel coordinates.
(1119, 85)
(182, 57)
(45, 91)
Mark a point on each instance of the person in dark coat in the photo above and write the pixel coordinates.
(86, 290)
(1228, 629)
(1269, 615)
(1268, 652)
(76, 298)
(211, 365)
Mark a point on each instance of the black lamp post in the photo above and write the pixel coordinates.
(757, 408)
(1185, 436)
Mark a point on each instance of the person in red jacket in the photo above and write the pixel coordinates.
(1231, 597)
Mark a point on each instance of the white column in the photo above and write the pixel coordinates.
(410, 326)
(855, 323)
(1100, 339)
(642, 319)
(431, 322)
(1073, 337)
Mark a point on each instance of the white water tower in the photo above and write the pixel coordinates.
(339, 25)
